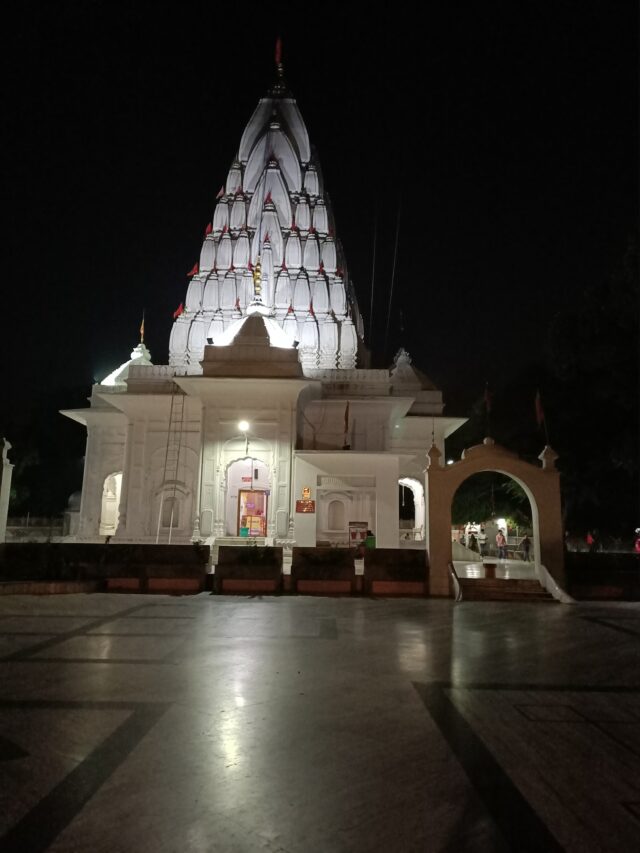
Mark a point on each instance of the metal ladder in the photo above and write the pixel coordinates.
(172, 456)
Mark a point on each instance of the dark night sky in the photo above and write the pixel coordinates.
(508, 132)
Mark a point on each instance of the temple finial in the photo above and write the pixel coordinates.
(278, 58)
(142, 328)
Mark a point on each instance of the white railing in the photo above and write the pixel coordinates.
(549, 583)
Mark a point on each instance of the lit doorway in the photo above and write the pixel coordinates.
(247, 504)
(252, 512)
(111, 489)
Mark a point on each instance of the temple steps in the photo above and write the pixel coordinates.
(501, 589)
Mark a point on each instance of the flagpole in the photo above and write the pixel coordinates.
(373, 275)
(487, 408)
(541, 417)
(393, 277)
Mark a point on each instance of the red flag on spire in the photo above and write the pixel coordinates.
(539, 409)
(220, 192)
(208, 230)
(179, 310)
(193, 271)
(278, 55)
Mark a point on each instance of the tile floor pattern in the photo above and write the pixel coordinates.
(149, 723)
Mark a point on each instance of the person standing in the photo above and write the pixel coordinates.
(501, 544)
(482, 542)
(525, 544)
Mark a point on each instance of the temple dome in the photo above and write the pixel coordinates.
(139, 356)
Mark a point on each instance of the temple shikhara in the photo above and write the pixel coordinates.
(266, 424)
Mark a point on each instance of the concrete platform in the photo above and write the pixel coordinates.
(219, 723)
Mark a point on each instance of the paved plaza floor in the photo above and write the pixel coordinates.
(297, 724)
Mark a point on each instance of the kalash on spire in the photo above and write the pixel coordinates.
(271, 249)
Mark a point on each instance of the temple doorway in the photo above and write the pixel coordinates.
(411, 510)
(252, 512)
(247, 502)
(111, 489)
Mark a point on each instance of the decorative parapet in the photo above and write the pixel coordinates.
(352, 382)
(154, 379)
(355, 374)
(152, 371)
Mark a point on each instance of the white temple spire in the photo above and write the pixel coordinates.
(271, 247)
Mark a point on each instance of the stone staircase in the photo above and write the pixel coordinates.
(499, 589)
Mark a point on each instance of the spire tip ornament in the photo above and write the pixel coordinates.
(279, 88)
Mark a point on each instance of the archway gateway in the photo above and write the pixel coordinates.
(541, 485)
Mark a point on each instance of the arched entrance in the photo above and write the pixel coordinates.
(411, 509)
(486, 506)
(541, 485)
(247, 500)
(111, 489)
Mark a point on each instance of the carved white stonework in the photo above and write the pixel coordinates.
(273, 206)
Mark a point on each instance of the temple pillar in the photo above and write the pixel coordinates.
(5, 489)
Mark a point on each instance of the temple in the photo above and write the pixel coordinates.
(266, 424)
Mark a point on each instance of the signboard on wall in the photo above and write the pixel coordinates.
(357, 532)
(305, 506)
